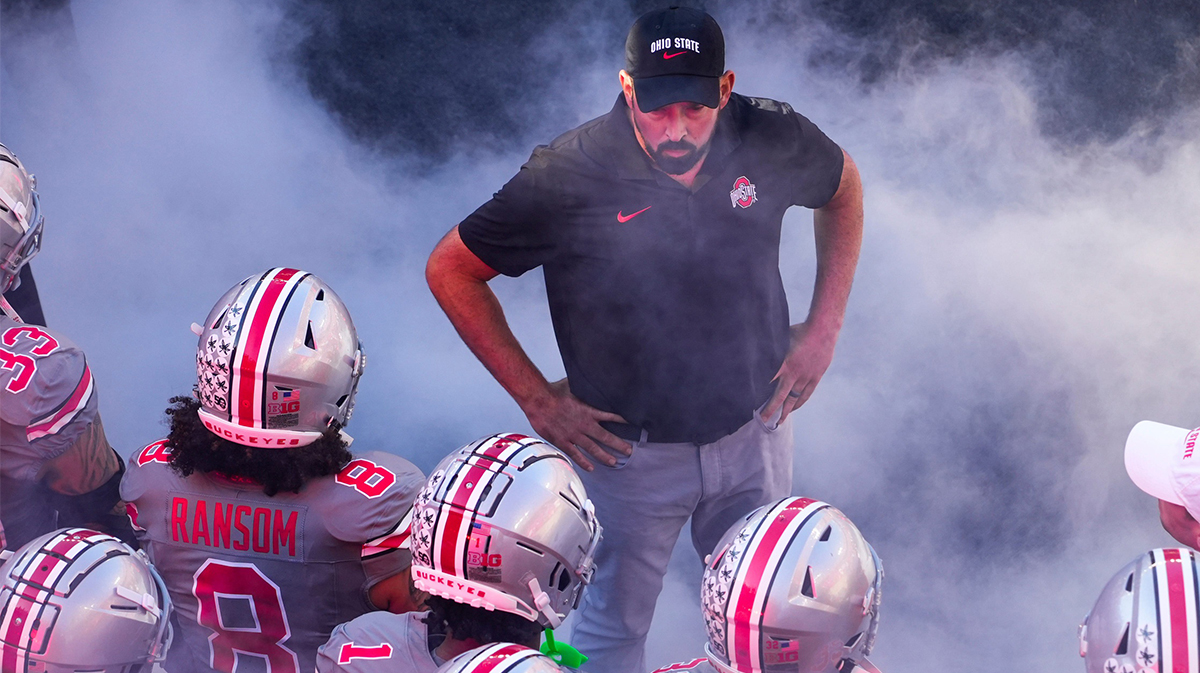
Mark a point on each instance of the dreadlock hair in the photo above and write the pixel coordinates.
(463, 622)
(195, 449)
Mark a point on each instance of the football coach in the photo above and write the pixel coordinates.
(657, 227)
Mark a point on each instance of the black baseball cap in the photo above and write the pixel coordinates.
(675, 54)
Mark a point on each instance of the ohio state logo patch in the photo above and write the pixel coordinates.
(743, 193)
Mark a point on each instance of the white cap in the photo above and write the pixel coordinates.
(1162, 460)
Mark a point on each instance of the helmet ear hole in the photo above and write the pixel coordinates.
(807, 588)
(1123, 646)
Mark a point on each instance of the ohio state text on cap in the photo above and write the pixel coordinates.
(1162, 460)
(675, 54)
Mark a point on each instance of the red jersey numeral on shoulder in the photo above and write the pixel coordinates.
(369, 478)
(48, 343)
(157, 452)
(685, 666)
(22, 366)
(243, 581)
(352, 651)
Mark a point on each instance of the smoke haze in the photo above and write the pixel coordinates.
(1027, 289)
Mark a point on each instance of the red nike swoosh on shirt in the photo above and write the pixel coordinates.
(674, 55)
(625, 218)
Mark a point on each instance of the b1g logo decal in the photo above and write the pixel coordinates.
(743, 194)
(283, 409)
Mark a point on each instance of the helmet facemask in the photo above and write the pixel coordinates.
(21, 219)
(101, 606)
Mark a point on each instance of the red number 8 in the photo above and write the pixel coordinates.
(366, 477)
(243, 580)
(158, 452)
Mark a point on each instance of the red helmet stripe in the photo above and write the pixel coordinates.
(39, 573)
(758, 567)
(451, 543)
(1181, 611)
(489, 660)
(263, 314)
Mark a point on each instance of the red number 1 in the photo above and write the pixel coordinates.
(243, 580)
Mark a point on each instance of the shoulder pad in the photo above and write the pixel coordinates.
(374, 641)
(144, 471)
(45, 379)
(769, 105)
(377, 490)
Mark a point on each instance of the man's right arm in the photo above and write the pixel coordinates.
(459, 282)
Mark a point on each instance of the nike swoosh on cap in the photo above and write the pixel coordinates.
(666, 55)
(625, 218)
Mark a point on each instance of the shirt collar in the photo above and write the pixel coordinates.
(630, 160)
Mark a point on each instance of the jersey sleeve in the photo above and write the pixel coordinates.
(513, 233)
(142, 484)
(48, 388)
(815, 162)
(372, 643)
(380, 488)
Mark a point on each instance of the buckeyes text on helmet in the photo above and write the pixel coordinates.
(278, 361)
(791, 586)
(75, 600)
(504, 523)
(20, 218)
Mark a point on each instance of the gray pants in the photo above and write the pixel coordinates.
(644, 503)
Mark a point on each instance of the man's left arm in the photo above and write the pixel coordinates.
(837, 227)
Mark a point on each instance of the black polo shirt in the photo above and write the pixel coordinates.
(667, 303)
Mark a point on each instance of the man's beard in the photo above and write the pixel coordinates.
(678, 165)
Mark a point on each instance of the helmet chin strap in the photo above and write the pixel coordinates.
(9, 310)
(541, 601)
(148, 602)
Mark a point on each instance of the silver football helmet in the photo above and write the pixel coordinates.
(1145, 617)
(20, 218)
(792, 586)
(504, 523)
(504, 657)
(278, 360)
(77, 600)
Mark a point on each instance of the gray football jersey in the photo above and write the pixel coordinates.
(379, 642)
(260, 582)
(47, 397)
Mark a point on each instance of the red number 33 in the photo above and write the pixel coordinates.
(243, 580)
(27, 365)
(22, 366)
